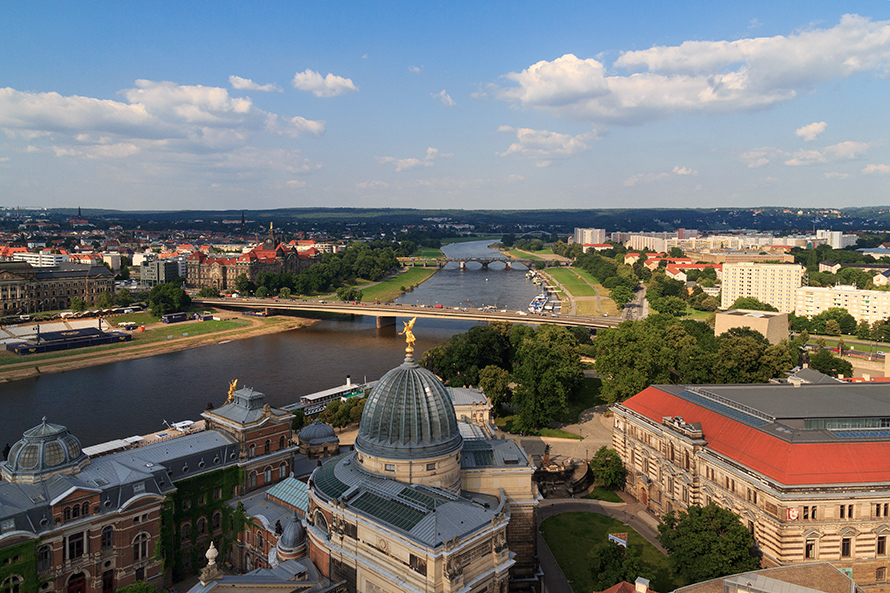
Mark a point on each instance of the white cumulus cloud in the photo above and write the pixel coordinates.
(836, 175)
(647, 178)
(246, 84)
(323, 86)
(811, 131)
(432, 155)
(876, 169)
(446, 99)
(544, 145)
(701, 76)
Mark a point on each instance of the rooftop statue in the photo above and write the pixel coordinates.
(409, 335)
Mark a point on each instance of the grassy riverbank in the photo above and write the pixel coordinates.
(159, 339)
(391, 288)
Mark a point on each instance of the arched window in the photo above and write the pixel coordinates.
(75, 511)
(267, 474)
(140, 547)
(186, 531)
(281, 442)
(12, 584)
(85, 509)
(44, 558)
(252, 450)
(282, 470)
(107, 537)
(67, 513)
(259, 541)
(251, 480)
(216, 521)
(267, 447)
(202, 526)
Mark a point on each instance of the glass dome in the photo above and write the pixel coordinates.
(408, 415)
(43, 450)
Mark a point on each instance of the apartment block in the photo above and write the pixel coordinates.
(590, 236)
(863, 305)
(773, 284)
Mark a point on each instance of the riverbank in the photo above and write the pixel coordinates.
(99, 355)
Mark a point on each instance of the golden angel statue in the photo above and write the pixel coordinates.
(232, 386)
(409, 335)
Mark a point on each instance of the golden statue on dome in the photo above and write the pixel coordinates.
(232, 386)
(409, 335)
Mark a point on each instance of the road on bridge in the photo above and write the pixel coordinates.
(406, 310)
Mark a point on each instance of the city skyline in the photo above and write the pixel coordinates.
(215, 106)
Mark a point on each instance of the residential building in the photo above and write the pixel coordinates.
(590, 236)
(804, 466)
(837, 239)
(773, 284)
(863, 305)
(41, 259)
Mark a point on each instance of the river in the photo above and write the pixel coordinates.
(133, 397)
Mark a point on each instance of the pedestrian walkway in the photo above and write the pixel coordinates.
(631, 513)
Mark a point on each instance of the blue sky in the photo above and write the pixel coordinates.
(214, 105)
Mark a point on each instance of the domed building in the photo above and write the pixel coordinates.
(409, 431)
(318, 440)
(424, 502)
(44, 451)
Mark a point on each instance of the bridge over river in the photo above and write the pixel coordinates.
(386, 313)
(485, 261)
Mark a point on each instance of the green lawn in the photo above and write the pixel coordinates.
(139, 338)
(568, 277)
(696, 314)
(428, 252)
(505, 423)
(521, 254)
(600, 493)
(589, 397)
(571, 538)
(392, 287)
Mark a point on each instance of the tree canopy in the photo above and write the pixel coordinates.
(168, 298)
(544, 364)
(662, 349)
(706, 543)
(610, 564)
(607, 468)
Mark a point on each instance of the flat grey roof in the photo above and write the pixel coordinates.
(785, 401)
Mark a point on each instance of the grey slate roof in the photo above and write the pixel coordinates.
(119, 477)
(493, 453)
(246, 407)
(427, 515)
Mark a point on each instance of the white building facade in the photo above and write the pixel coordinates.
(773, 284)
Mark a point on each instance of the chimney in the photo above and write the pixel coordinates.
(795, 381)
(866, 377)
(348, 381)
(840, 376)
(641, 585)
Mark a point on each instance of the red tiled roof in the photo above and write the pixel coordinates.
(787, 463)
(622, 587)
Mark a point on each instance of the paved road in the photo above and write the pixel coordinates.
(631, 514)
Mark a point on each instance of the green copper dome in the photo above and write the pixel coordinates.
(408, 415)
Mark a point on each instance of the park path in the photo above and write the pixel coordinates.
(630, 512)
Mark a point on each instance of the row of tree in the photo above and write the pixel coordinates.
(369, 260)
(662, 349)
(537, 371)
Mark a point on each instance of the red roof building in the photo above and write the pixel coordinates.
(805, 467)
